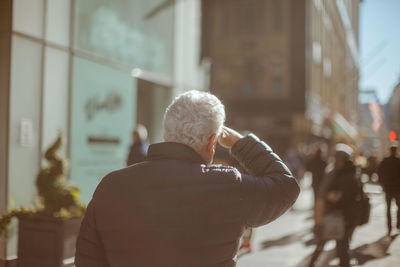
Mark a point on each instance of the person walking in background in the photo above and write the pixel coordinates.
(389, 178)
(294, 162)
(371, 168)
(339, 190)
(316, 165)
(177, 209)
(138, 149)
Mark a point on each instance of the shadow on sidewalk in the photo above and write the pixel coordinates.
(372, 251)
(285, 240)
(361, 254)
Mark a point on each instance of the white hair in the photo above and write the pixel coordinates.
(192, 118)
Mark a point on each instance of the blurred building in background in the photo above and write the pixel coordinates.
(393, 113)
(92, 69)
(287, 70)
(373, 132)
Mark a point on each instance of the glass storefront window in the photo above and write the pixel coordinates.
(102, 119)
(58, 21)
(55, 95)
(134, 32)
(28, 17)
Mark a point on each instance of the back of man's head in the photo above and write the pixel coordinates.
(192, 118)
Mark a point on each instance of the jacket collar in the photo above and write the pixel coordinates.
(172, 150)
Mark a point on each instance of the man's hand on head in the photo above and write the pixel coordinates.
(228, 137)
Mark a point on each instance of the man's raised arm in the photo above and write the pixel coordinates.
(270, 188)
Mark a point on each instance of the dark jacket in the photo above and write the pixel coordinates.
(345, 183)
(389, 174)
(173, 210)
(316, 165)
(137, 152)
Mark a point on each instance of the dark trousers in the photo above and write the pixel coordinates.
(342, 248)
(389, 197)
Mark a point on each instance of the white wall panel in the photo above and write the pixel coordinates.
(24, 106)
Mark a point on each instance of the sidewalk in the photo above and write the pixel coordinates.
(287, 242)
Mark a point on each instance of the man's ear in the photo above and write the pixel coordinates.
(211, 144)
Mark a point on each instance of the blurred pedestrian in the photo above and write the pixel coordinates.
(371, 168)
(138, 149)
(316, 165)
(294, 162)
(245, 246)
(340, 190)
(175, 208)
(389, 178)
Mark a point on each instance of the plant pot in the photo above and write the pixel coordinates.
(47, 242)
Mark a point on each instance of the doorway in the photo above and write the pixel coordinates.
(152, 100)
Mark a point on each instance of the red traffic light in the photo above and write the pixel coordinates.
(392, 136)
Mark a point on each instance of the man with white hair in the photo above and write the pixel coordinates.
(175, 208)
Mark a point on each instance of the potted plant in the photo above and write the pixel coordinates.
(48, 232)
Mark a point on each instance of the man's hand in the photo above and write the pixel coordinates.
(228, 137)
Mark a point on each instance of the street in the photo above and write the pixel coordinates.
(288, 241)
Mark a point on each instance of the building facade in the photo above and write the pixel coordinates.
(373, 133)
(334, 67)
(393, 111)
(287, 70)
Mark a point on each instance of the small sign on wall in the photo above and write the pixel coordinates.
(26, 133)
